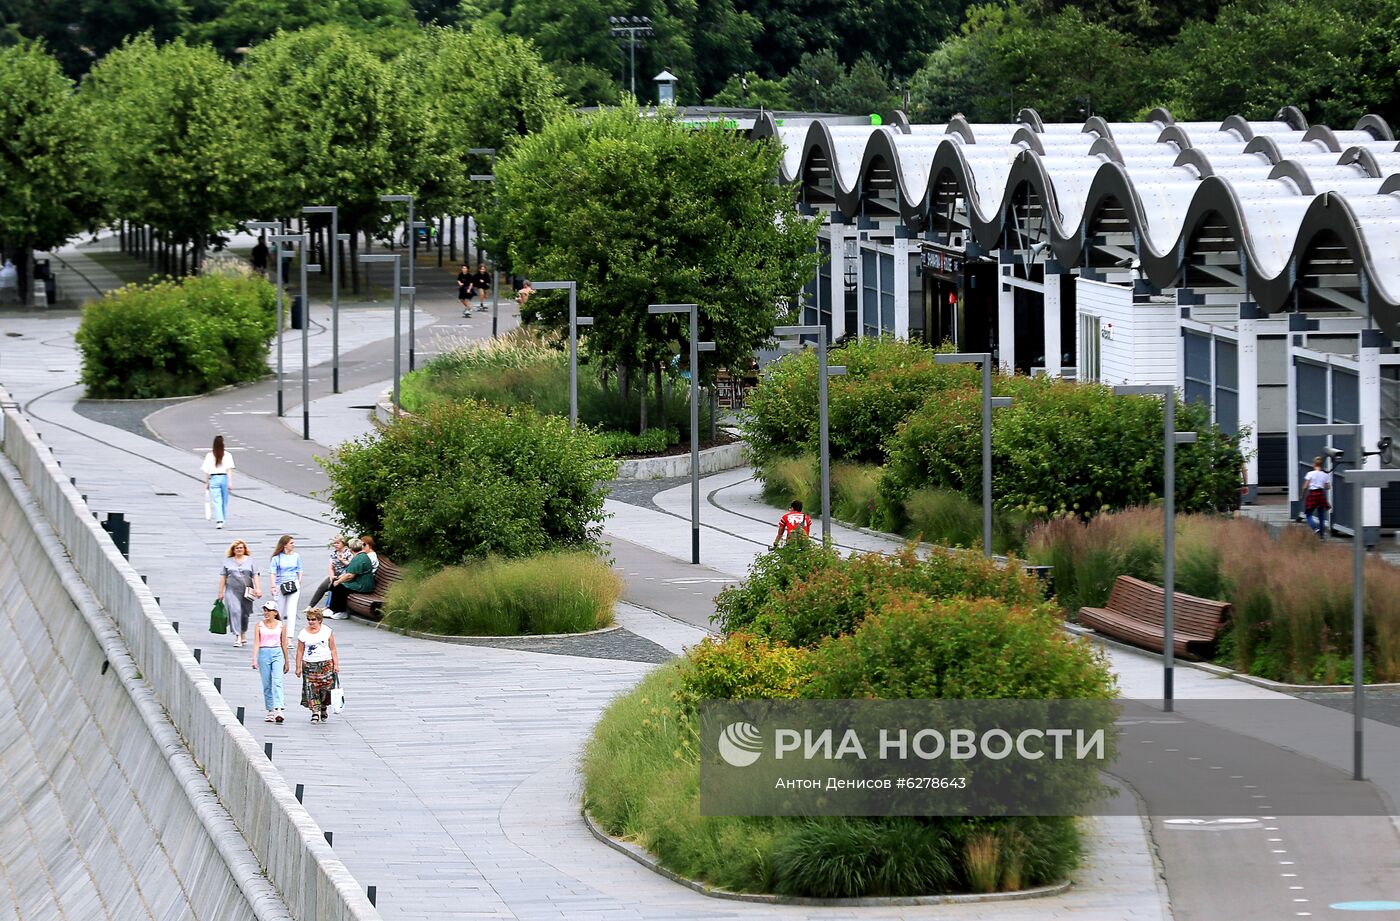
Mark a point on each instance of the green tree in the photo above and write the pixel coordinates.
(47, 192)
(790, 29)
(896, 34)
(751, 91)
(176, 146)
(244, 23)
(812, 84)
(642, 210)
(80, 32)
(342, 128)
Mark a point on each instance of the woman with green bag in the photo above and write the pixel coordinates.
(218, 618)
(238, 586)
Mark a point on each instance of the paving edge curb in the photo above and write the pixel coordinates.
(1221, 671)
(642, 857)
(480, 640)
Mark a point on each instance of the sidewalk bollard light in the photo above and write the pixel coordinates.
(373, 893)
(824, 373)
(412, 226)
(157, 598)
(336, 239)
(119, 530)
(143, 578)
(397, 260)
(1170, 439)
(300, 792)
(989, 403)
(575, 321)
(267, 750)
(696, 347)
(1359, 480)
(329, 839)
(302, 241)
(196, 652)
(239, 714)
(174, 624)
(218, 684)
(106, 664)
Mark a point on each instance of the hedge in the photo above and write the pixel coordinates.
(466, 480)
(176, 338)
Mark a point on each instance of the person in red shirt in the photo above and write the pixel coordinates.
(793, 519)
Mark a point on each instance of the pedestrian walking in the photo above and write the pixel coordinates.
(340, 558)
(259, 254)
(218, 468)
(793, 520)
(357, 578)
(270, 660)
(285, 571)
(522, 294)
(466, 289)
(1316, 484)
(318, 664)
(238, 587)
(482, 281)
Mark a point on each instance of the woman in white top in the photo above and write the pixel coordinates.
(318, 663)
(1316, 483)
(270, 659)
(285, 570)
(218, 464)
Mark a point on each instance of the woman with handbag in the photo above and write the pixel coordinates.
(218, 484)
(270, 659)
(285, 569)
(318, 665)
(238, 586)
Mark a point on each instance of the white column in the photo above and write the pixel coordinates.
(1006, 318)
(1368, 373)
(1295, 473)
(901, 287)
(1053, 348)
(860, 285)
(838, 279)
(1247, 361)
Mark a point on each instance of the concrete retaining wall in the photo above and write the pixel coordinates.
(135, 793)
(712, 460)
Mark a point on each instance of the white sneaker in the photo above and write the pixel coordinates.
(340, 615)
(220, 526)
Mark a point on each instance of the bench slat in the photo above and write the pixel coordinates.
(1136, 613)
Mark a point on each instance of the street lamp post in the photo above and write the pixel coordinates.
(397, 260)
(575, 321)
(824, 372)
(412, 258)
(630, 27)
(696, 347)
(303, 241)
(989, 403)
(1359, 480)
(276, 228)
(495, 276)
(334, 212)
(1170, 439)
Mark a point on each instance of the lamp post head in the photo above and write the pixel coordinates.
(655, 309)
(396, 198)
(551, 285)
(320, 209)
(962, 358)
(379, 257)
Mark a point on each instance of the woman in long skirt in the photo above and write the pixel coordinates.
(318, 663)
(238, 587)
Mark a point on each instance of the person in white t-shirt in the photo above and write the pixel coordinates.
(1316, 483)
(218, 464)
(318, 663)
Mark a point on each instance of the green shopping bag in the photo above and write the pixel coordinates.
(218, 618)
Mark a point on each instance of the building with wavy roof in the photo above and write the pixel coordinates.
(1255, 265)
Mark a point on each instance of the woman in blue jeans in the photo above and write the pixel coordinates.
(270, 660)
(217, 467)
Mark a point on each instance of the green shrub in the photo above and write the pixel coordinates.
(834, 599)
(551, 593)
(740, 667)
(174, 338)
(527, 367)
(770, 573)
(1061, 448)
(944, 516)
(854, 857)
(466, 480)
(652, 441)
(855, 490)
(786, 479)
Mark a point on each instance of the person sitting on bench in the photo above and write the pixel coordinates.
(358, 577)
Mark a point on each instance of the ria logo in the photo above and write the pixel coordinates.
(740, 744)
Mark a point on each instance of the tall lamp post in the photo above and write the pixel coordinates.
(630, 27)
(989, 403)
(412, 258)
(495, 276)
(397, 260)
(575, 321)
(1359, 480)
(696, 347)
(334, 212)
(303, 241)
(1170, 439)
(277, 257)
(824, 373)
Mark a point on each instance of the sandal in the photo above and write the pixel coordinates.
(315, 717)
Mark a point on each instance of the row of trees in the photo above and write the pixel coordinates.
(174, 137)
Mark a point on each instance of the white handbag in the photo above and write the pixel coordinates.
(208, 506)
(337, 696)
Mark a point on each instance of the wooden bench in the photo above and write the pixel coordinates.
(371, 604)
(1135, 614)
